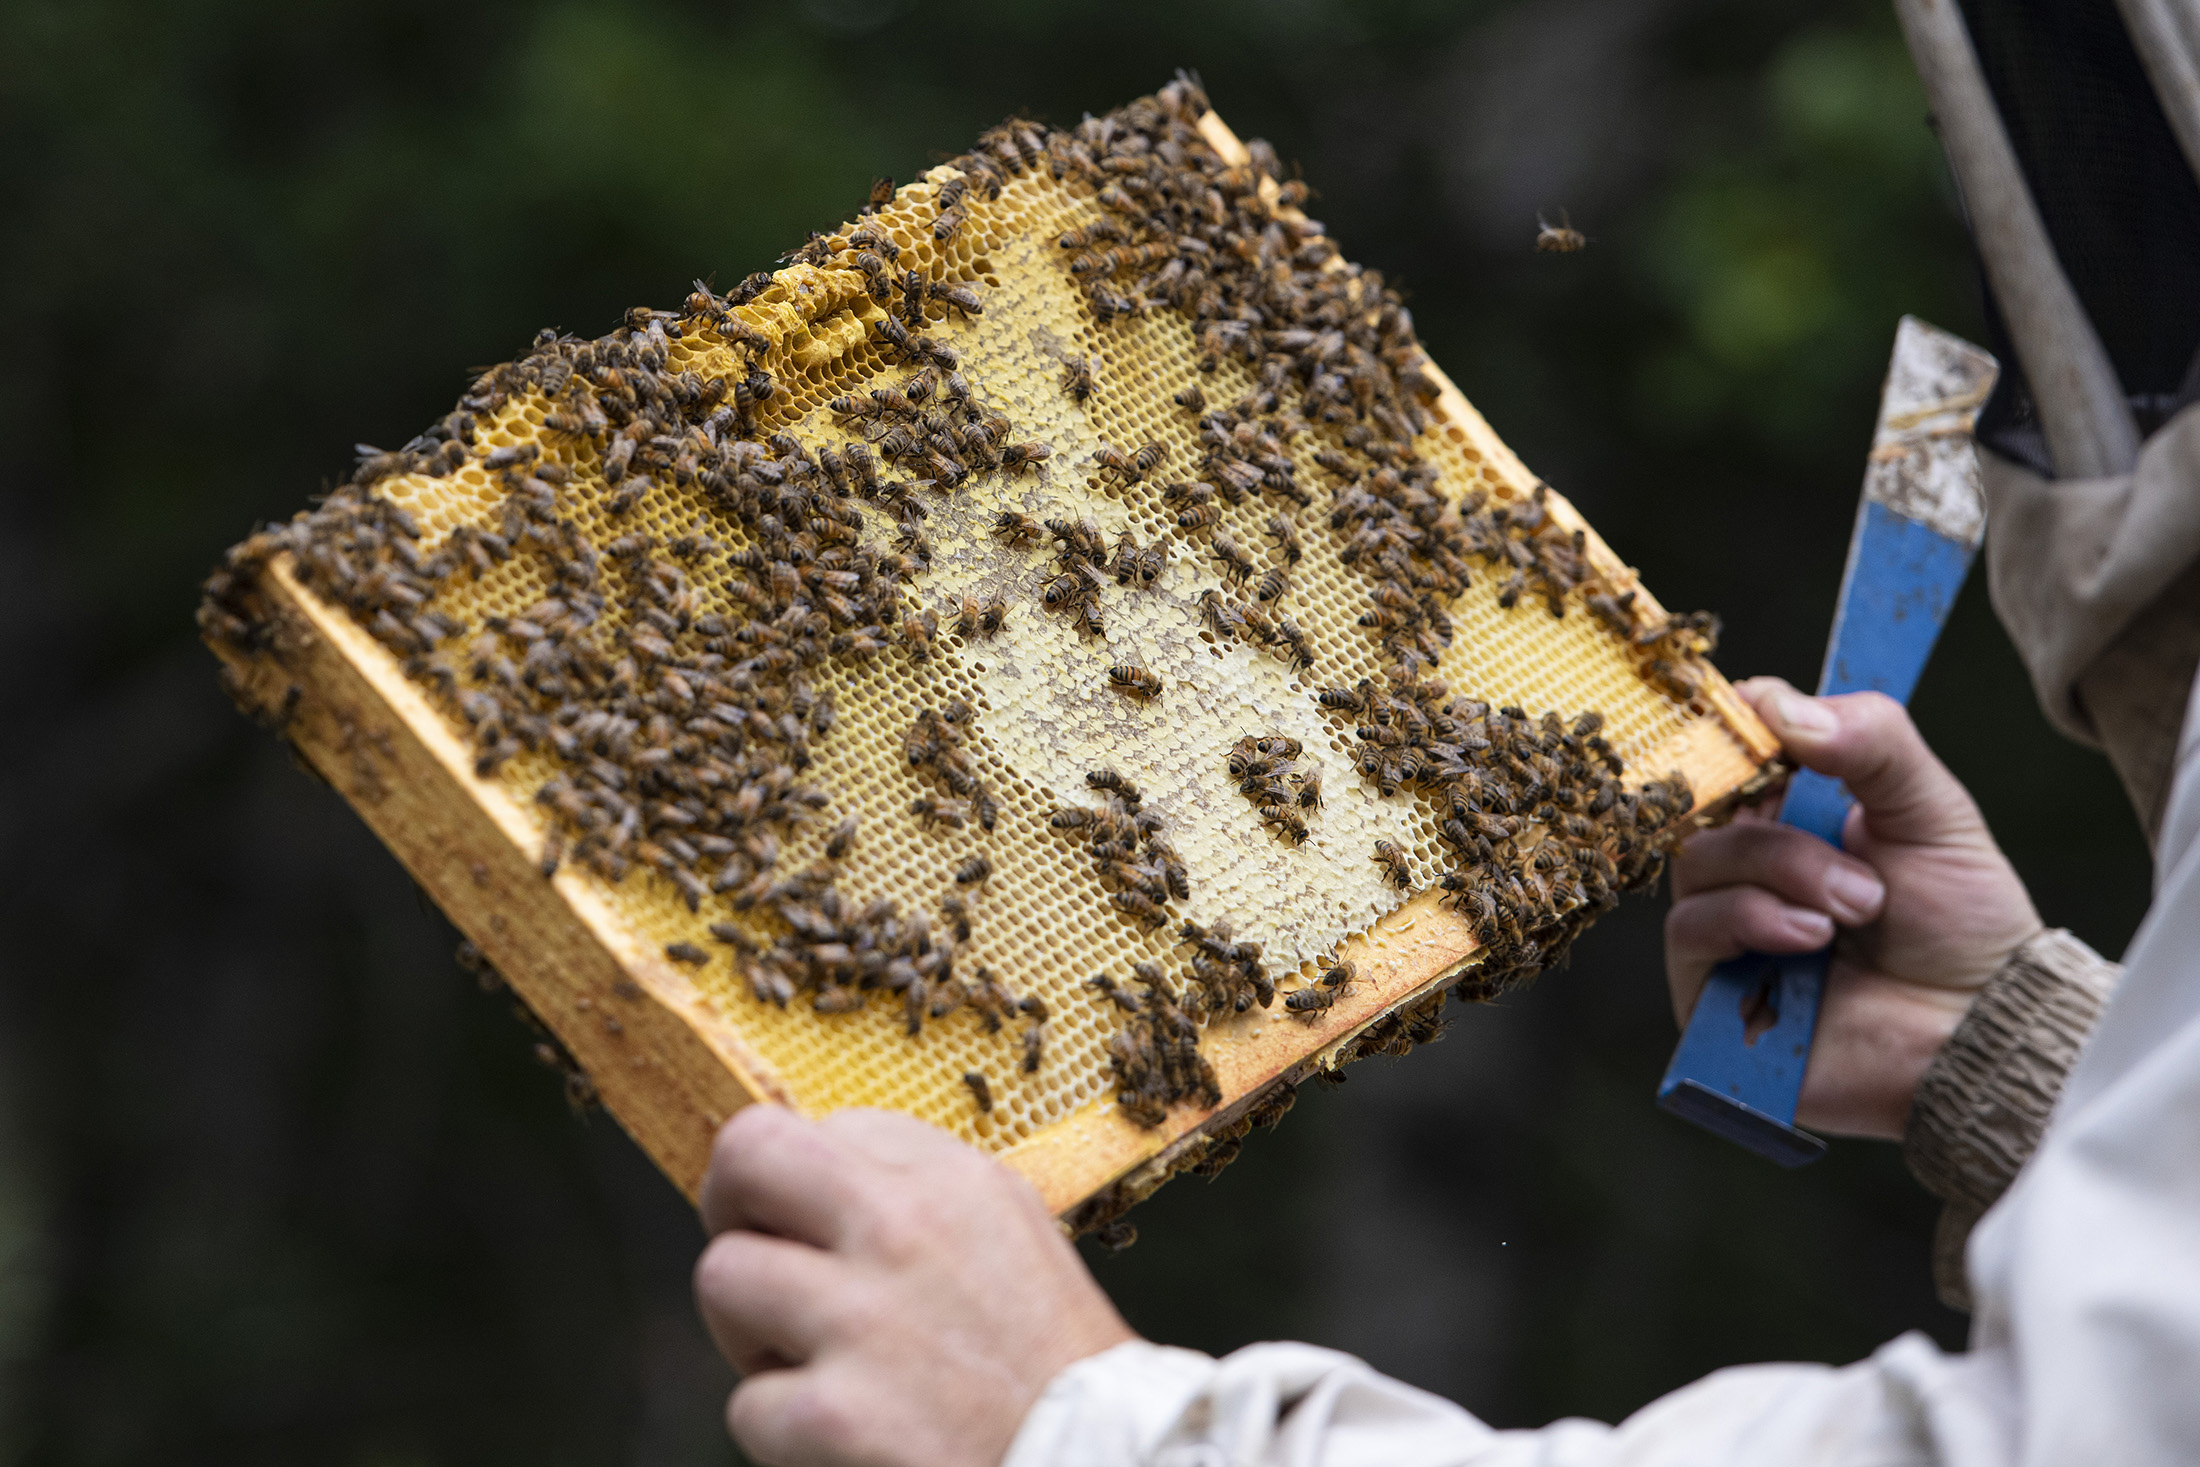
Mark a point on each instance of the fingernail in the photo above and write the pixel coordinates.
(1815, 928)
(1798, 714)
(1855, 895)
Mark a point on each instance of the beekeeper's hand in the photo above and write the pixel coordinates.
(1922, 908)
(890, 1296)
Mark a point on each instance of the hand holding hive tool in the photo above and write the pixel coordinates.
(1738, 1070)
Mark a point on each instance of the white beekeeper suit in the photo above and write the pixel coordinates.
(2085, 1275)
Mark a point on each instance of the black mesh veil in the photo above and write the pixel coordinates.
(2120, 204)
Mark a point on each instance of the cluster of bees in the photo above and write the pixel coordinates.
(934, 747)
(1155, 1056)
(1140, 870)
(1267, 774)
(676, 725)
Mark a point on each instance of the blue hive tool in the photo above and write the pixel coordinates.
(1739, 1067)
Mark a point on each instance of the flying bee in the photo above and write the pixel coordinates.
(1271, 585)
(1015, 456)
(1560, 238)
(1191, 399)
(1133, 680)
(1396, 870)
(973, 871)
(1077, 379)
(930, 812)
(843, 840)
(980, 1090)
(1237, 566)
(1286, 535)
(1019, 530)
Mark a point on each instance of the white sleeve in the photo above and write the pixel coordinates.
(1287, 1405)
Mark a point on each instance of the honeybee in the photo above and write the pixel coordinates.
(1560, 238)
(1396, 869)
(686, 952)
(1035, 1039)
(1134, 680)
(1115, 784)
(1286, 535)
(1271, 585)
(1237, 566)
(1019, 530)
(980, 1090)
(917, 633)
(1148, 458)
(945, 226)
(1077, 379)
(1140, 906)
(957, 298)
(1113, 460)
(930, 812)
(1121, 997)
(1339, 975)
(988, 809)
(1016, 456)
(1191, 399)
(896, 335)
(1309, 1001)
(1286, 820)
(973, 871)
(1199, 517)
(1091, 234)
(1310, 790)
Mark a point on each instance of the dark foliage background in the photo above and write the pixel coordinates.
(278, 1184)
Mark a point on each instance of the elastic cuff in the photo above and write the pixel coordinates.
(1983, 1102)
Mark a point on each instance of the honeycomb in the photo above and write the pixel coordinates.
(1044, 713)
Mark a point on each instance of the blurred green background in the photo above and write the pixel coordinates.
(277, 1183)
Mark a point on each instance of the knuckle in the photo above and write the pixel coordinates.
(823, 1420)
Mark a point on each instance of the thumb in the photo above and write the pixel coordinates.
(1867, 741)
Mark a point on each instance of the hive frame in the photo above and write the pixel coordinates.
(666, 1064)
